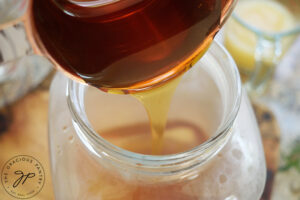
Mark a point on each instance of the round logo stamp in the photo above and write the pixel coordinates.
(23, 177)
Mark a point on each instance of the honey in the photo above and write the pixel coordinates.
(129, 43)
(120, 45)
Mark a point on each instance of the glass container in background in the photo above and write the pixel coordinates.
(264, 41)
(22, 73)
(99, 142)
(258, 35)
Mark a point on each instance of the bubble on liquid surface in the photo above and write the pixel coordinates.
(222, 178)
(237, 154)
(65, 129)
(71, 139)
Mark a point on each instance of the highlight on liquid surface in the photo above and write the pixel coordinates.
(127, 43)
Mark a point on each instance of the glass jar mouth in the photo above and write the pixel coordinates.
(199, 154)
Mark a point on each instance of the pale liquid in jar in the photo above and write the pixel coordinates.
(196, 112)
(225, 174)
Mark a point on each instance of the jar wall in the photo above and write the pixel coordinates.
(236, 171)
(195, 114)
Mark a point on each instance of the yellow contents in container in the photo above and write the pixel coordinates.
(266, 16)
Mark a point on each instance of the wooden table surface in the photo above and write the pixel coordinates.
(23, 131)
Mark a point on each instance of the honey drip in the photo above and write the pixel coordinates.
(157, 103)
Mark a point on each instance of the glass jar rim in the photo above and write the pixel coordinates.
(195, 156)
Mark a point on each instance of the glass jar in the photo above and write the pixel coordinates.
(94, 140)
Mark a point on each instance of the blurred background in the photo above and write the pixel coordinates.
(263, 38)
